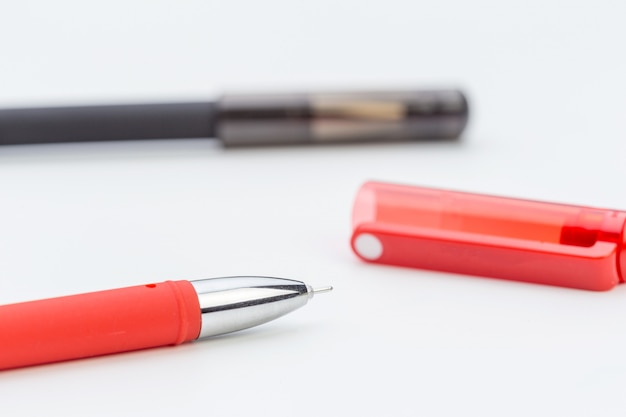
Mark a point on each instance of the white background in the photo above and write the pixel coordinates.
(548, 101)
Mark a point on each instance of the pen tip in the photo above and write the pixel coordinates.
(322, 289)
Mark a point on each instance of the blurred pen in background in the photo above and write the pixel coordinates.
(251, 119)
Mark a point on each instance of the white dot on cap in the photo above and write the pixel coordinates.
(368, 246)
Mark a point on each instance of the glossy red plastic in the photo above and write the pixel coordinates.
(98, 323)
(521, 240)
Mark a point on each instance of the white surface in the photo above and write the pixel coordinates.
(546, 83)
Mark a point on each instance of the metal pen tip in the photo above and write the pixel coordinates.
(322, 289)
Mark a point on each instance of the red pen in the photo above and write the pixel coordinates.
(140, 317)
(521, 240)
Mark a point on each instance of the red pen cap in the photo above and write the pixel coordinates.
(521, 240)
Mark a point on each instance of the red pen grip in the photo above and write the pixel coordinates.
(98, 323)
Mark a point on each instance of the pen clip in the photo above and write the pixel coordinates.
(591, 267)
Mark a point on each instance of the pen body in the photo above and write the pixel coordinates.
(106, 123)
(251, 119)
(98, 323)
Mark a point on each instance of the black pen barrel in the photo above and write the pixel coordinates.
(109, 122)
(252, 119)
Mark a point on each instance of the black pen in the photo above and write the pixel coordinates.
(250, 119)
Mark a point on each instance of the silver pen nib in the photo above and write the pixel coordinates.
(235, 303)
(320, 290)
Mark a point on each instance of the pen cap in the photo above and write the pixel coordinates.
(258, 119)
(522, 240)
